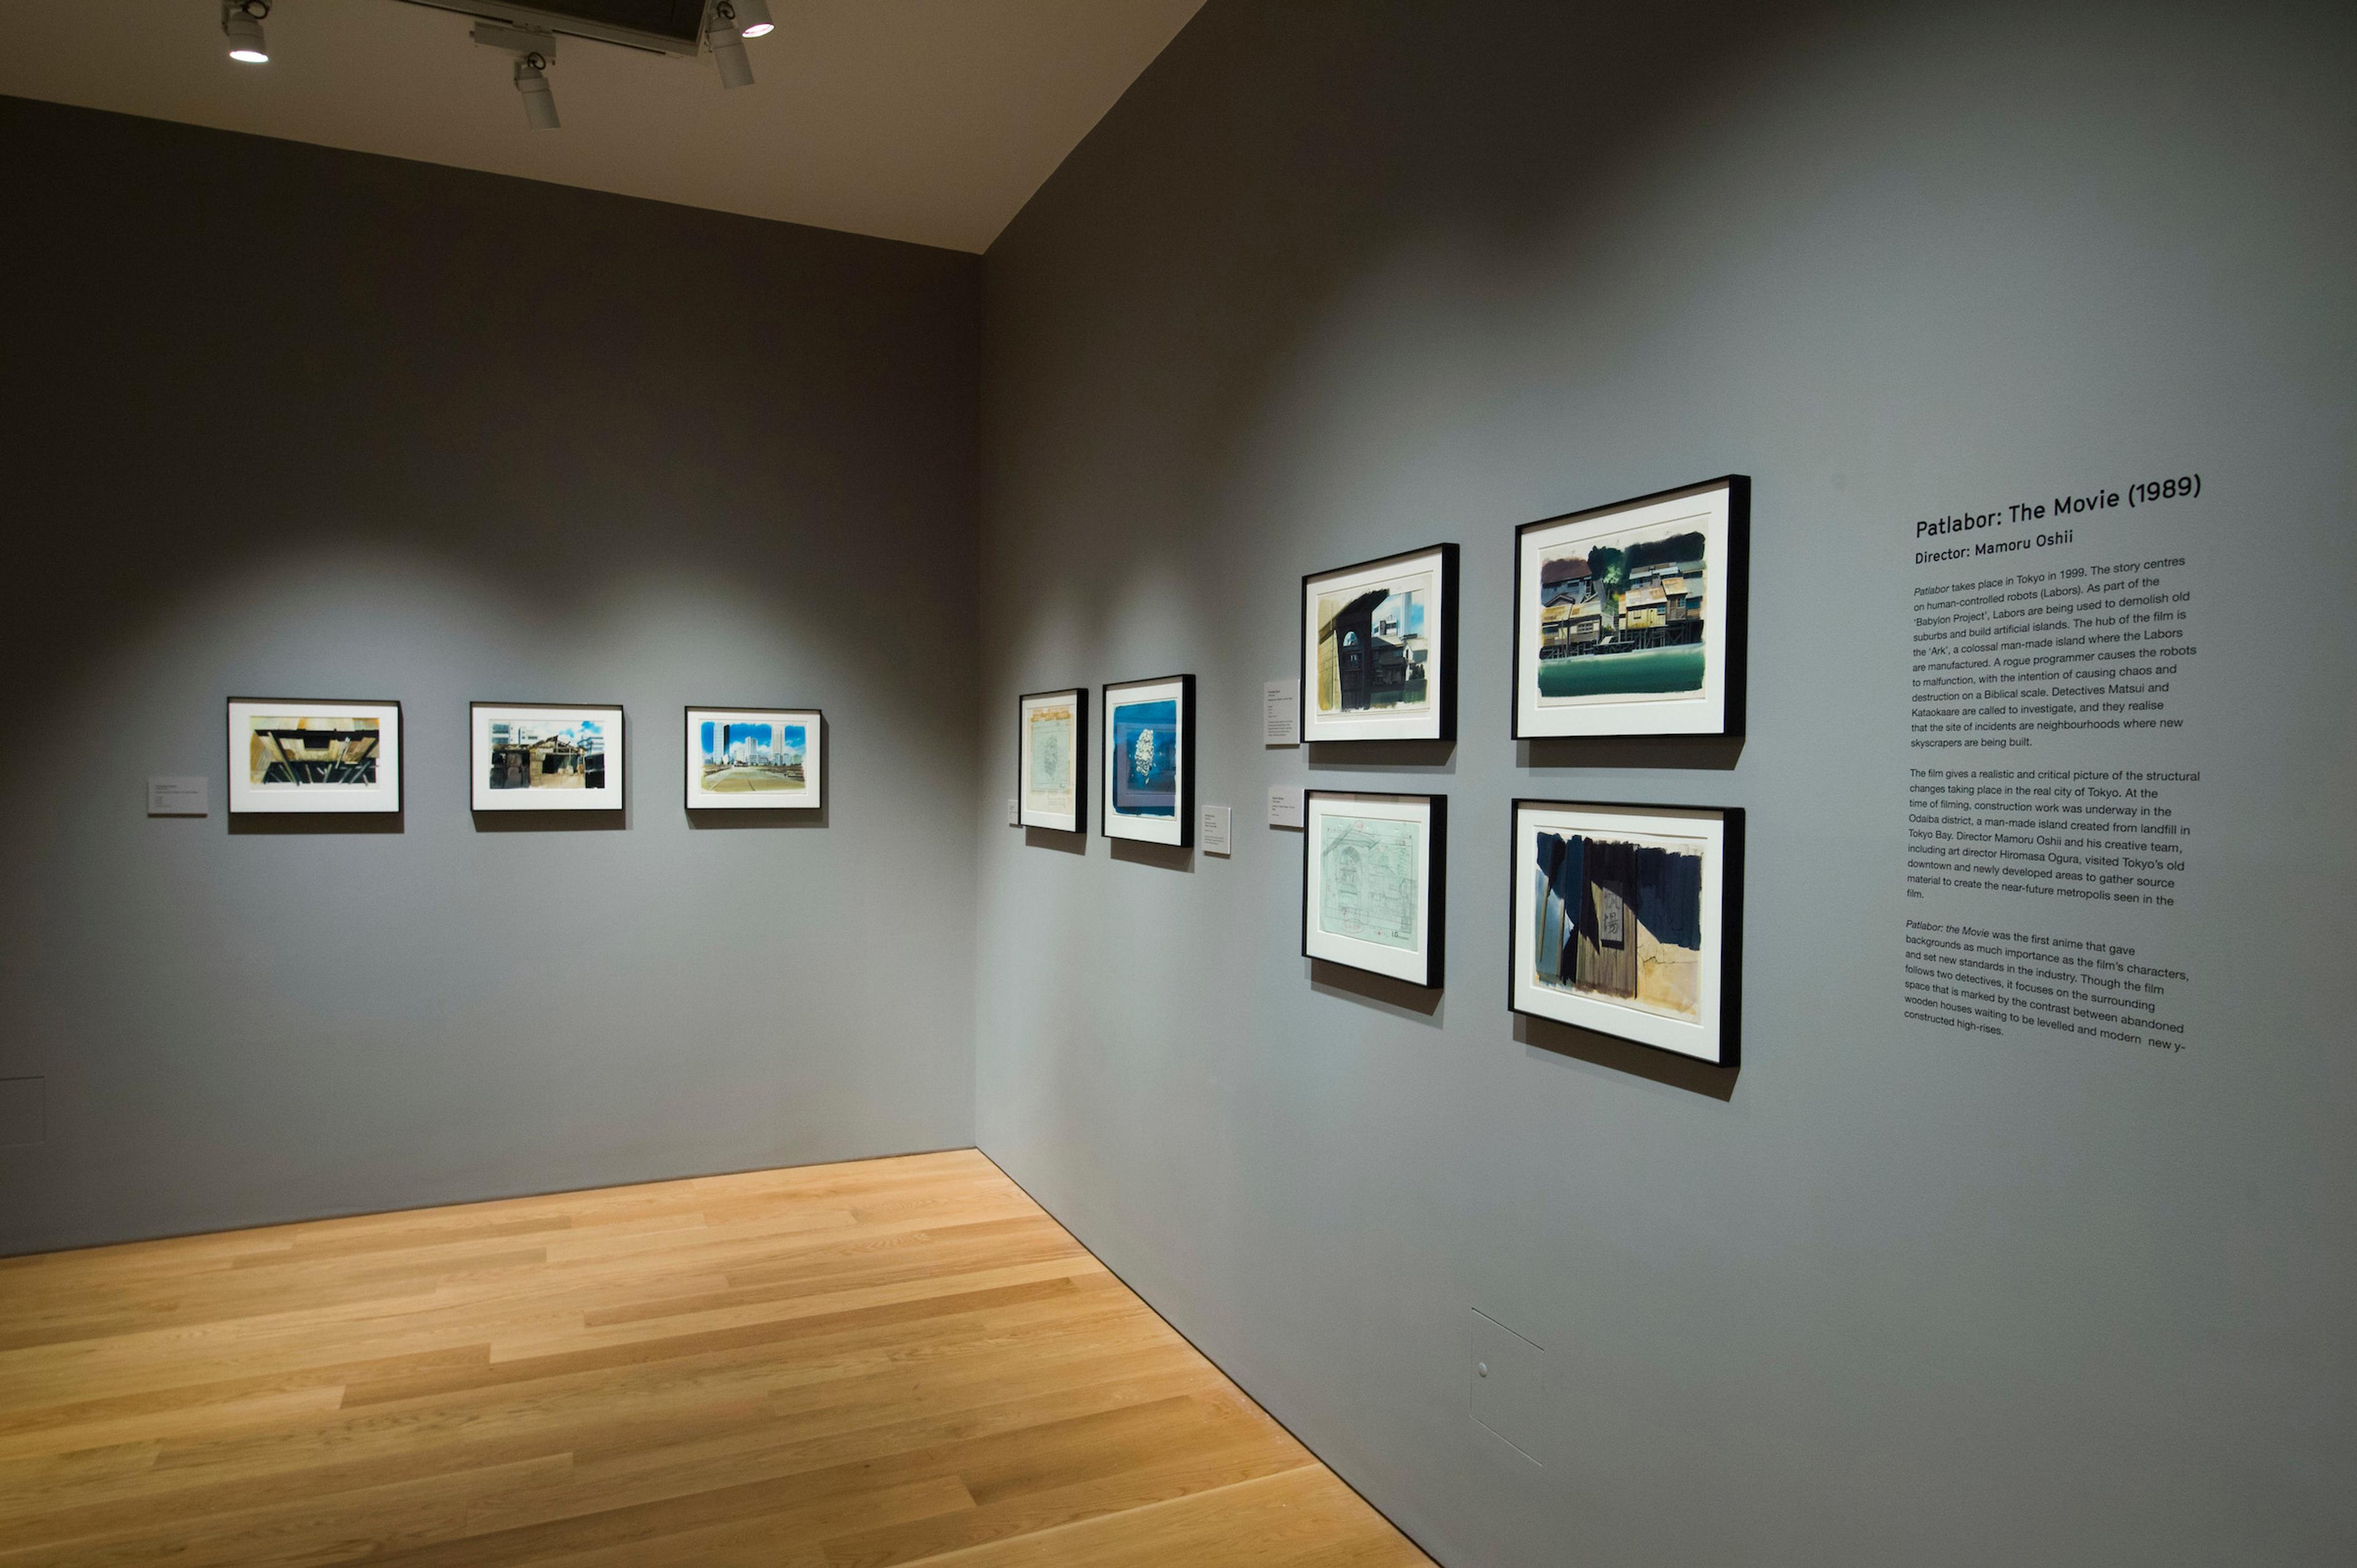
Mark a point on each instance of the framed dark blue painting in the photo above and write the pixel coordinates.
(1149, 761)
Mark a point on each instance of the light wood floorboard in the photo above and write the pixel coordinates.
(866, 1365)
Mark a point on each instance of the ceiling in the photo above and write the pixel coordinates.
(932, 121)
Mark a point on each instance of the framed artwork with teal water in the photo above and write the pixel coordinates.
(1629, 618)
(1149, 760)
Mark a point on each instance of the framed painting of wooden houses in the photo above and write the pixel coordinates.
(755, 760)
(1629, 920)
(1379, 648)
(1052, 748)
(1629, 618)
(530, 756)
(1374, 878)
(291, 754)
(1149, 760)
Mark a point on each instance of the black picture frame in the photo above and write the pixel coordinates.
(1728, 1030)
(1444, 726)
(1184, 838)
(1079, 699)
(1735, 600)
(1435, 882)
(400, 757)
(620, 802)
(816, 804)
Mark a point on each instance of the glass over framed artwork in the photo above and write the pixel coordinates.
(755, 760)
(289, 754)
(1629, 618)
(1149, 760)
(545, 756)
(1374, 876)
(1629, 920)
(1379, 648)
(1051, 751)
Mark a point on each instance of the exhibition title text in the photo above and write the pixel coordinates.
(2102, 498)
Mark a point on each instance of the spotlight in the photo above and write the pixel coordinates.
(241, 24)
(752, 17)
(728, 47)
(539, 102)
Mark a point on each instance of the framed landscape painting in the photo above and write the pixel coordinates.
(1375, 874)
(288, 755)
(1149, 760)
(1629, 618)
(1051, 745)
(545, 756)
(1379, 648)
(755, 760)
(1628, 920)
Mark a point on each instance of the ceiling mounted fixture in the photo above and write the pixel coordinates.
(752, 18)
(241, 24)
(728, 47)
(534, 53)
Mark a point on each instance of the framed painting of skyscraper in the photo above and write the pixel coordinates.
(755, 760)
(1149, 760)
(1375, 879)
(1051, 748)
(1629, 618)
(1629, 920)
(290, 756)
(1379, 648)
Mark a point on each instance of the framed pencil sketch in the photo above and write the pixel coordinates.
(545, 756)
(1149, 760)
(1051, 745)
(1374, 877)
(1629, 920)
(289, 754)
(1379, 648)
(1629, 618)
(755, 760)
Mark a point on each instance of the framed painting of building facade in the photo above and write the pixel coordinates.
(1379, 648)
(1051, 748)
(755, 760)
(1629, 920)
(1149, 760)
(1374, 876)
(291, 756)
(1629, 618)
(528, 756)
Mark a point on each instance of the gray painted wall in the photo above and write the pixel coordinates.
(1338, 279)
(290, 422)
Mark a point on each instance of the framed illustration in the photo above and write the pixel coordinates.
(755, 760)
(1629, 618)
(1375, 879)
(289, 754)
(1379, 648)
(1149, 760)
(545, 756)
(1629, 920)
(1051, 746)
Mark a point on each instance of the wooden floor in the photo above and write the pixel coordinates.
(892, 1361)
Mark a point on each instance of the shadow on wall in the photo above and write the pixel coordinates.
(1546, 1038)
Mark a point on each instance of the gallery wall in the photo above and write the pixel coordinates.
(290, 422)
(1343, 279)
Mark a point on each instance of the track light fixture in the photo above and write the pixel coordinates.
(728, 45)
(533, 52)
(752, 17)
(539, 102)
(241, 24)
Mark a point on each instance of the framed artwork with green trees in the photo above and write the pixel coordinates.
(1629, 618)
